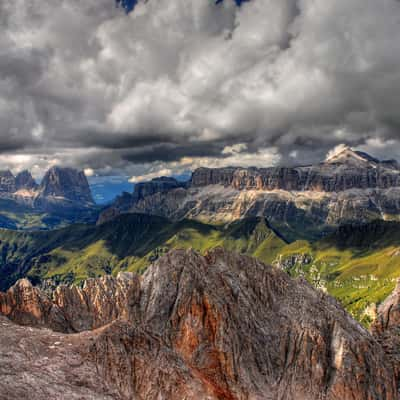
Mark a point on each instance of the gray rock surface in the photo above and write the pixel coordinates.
(66, 183)
(39, 364)
(7, 182)
(386, 328)
(24, 180)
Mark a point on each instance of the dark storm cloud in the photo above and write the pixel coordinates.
(171, 152)
(176, 84)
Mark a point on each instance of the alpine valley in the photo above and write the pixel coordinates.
(241, 283)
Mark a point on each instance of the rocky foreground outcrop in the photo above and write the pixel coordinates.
(39, 364)
(222, 326)
(386, 328)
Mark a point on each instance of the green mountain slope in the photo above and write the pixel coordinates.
(359, 265)
(17, 216)
(127, 243)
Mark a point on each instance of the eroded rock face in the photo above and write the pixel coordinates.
(7, 182)
(66, 183)
(222, 326)
(153, 191)
(24, 180)
(64, 193)
(386, 328)
(389, 312)
(348, 170)
(156, 185)
(39, 364)
(72, 309)
(349, 187)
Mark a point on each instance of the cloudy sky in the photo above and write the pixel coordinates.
(175, 84)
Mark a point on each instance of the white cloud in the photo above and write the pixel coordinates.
(87, 85)
(236, 155)
(89, 172)
(235, 149)
(152, 175)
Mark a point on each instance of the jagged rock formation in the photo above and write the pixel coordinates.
(222, 326)
(24, 180)
(7, 182)
(61, 190)
(71, 309)
(350, 186)
(10, 184)
(67, 184)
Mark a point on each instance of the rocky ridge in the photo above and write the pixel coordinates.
(222, 326)
(351, 186)
(24, 180)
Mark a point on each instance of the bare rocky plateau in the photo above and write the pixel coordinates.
(220, 326)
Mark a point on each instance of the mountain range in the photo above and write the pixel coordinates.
(241, 283)
(63, 196)
(300, 202)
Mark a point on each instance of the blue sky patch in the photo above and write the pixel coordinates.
(129, 5)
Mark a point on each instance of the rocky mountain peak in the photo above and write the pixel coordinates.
(7, 182)
(346, 155)
(24, 180)
(66, 183)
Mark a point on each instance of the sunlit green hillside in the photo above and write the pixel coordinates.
(130, 243)
(358, 265)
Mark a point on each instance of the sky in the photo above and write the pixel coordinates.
(173, 85)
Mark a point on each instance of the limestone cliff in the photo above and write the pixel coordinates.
(350, 187)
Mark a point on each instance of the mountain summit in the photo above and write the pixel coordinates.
(66, 183)
(24, 180)
(346, 155)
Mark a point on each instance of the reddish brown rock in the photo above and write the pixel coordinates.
(223, 326)
(39, 364)
(72, 309)
(386, 329)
